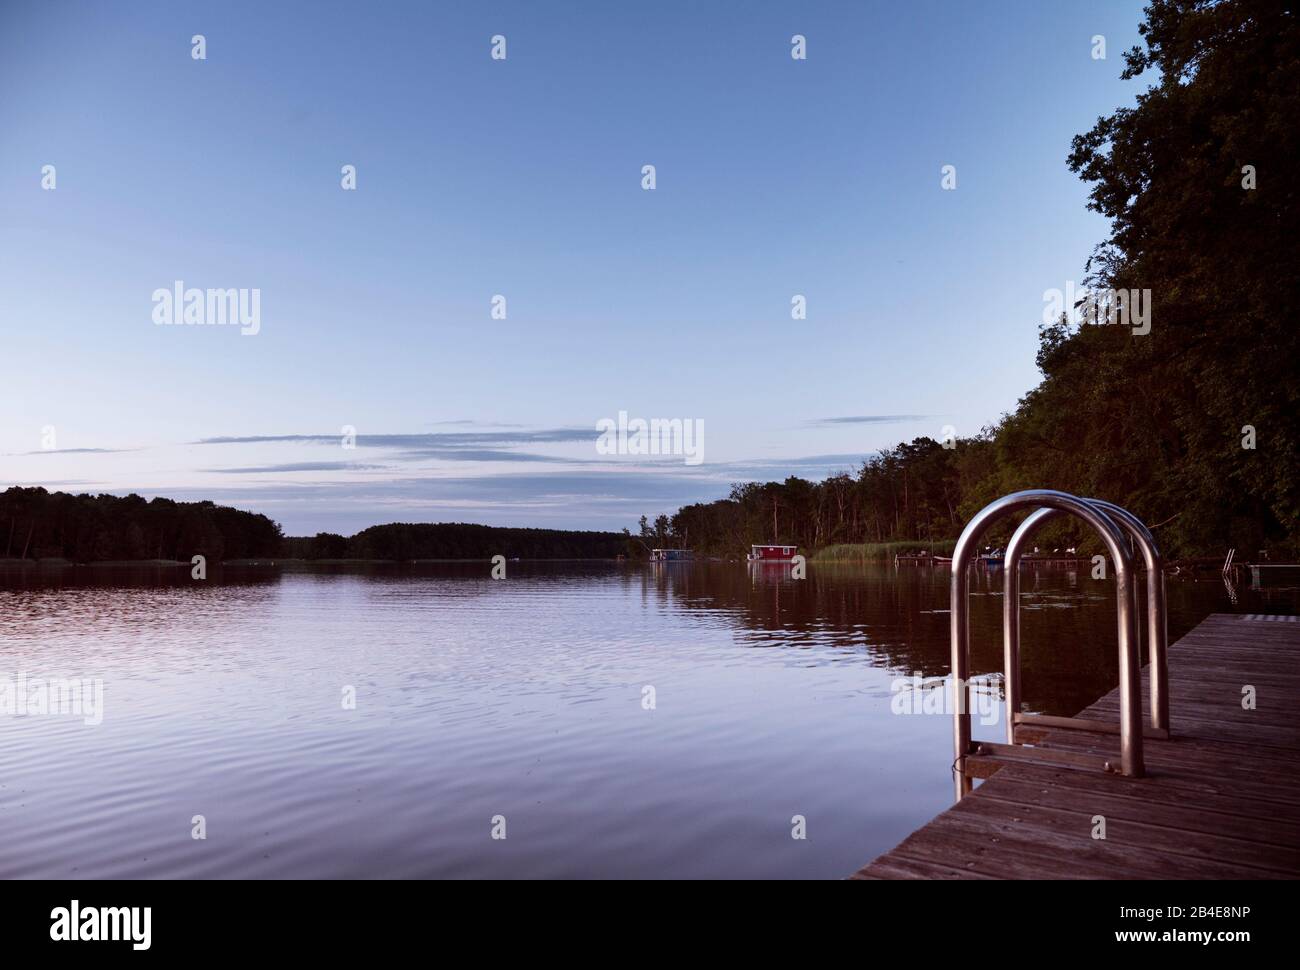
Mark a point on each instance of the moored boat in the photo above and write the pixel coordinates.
(772, 553)
(672, 555)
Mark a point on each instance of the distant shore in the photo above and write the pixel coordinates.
(54, 563)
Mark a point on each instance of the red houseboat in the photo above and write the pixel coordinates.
(772, 553)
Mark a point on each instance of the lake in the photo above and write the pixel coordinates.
(614, 720)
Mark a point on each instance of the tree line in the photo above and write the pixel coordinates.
(920, 491)
(37, 524)
(404, 541)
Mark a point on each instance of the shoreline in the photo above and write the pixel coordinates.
(21, 564)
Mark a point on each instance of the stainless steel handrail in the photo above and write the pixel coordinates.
(1156, 619)
(1130, 728)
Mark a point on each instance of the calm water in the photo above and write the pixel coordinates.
(521, 698)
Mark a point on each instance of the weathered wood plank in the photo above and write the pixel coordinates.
(1011, 850)
(1178, 816)
(1221, 800)
(1165, 832)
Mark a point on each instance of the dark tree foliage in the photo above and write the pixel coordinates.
(1155, 422)
(457, 540)
(323, 545)
(1158, 420)
(913, 491)
(36, 524)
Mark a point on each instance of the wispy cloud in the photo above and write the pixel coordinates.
(442, 439)
(451, 446)
(476, 454)
(298, 466)
(809, 466)
(517, 475)
(72, 451)
(870, 419)
(593, 500)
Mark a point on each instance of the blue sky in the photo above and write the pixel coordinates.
(522, 177)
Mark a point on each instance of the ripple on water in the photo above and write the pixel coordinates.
(525, 699)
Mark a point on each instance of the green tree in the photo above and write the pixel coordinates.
(1199, 181)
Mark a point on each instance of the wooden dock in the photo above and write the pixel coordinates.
(1221, 799)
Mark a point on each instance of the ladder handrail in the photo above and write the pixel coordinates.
(1011, 611)
(1157, 610)
(1125, 595)
(1157, 625)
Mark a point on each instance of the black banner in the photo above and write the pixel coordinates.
(141, 920)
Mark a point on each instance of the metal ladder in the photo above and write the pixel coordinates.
(1117, 527)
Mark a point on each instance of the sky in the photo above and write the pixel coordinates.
(379, 385)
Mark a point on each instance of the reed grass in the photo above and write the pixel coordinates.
(881, 551)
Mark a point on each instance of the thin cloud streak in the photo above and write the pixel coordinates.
(301, 466)
(72, 451)
(870, 419)
(444, 439)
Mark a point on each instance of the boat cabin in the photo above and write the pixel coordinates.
(772, 553)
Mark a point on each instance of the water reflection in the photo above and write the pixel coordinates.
(898, 618)
(523, 697)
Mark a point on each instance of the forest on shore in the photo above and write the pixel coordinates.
(1194, 425)
(37, 524)
(403, 541)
